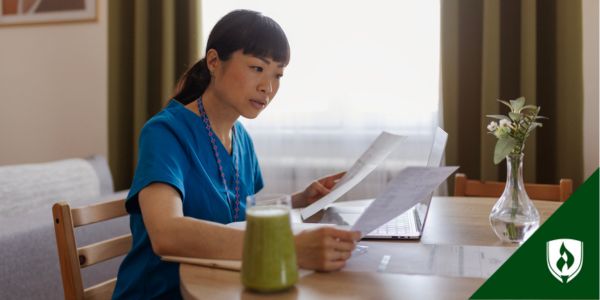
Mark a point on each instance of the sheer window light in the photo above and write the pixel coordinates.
(356, 68)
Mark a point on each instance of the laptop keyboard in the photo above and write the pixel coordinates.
(399, 226)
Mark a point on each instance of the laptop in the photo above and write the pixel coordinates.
(407, 226)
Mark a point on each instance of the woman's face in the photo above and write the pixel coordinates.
(247, 83)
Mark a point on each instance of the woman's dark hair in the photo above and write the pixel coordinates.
(247, 30)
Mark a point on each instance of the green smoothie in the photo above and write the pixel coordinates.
(269, 258)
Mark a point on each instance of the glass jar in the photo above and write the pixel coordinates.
(269, 257)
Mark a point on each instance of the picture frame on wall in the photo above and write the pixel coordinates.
(25, 12)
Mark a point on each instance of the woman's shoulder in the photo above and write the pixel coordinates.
(168, 118)
(165, 135)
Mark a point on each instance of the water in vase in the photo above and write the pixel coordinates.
(515, 229)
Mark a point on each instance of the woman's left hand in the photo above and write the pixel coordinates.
(316, 190)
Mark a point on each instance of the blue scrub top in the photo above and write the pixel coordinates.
(175, 149)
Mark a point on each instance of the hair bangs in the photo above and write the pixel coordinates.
(251, 32)
(267, 39)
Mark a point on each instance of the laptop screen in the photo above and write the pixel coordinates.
(437, 148)
(436, 154)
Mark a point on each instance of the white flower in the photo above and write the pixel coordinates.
(492, 126)
(502, 131)
(505, 123)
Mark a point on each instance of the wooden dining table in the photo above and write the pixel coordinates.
(450, 221)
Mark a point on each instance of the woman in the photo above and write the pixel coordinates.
(197, 164)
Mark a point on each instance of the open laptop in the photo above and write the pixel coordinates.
(408, 225)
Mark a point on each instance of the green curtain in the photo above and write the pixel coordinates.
(151, 43)
(503, 49)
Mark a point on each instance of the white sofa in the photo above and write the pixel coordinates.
(29, 267)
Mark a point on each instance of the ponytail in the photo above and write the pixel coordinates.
(193, 82)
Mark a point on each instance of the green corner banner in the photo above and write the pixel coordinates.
(560, 260)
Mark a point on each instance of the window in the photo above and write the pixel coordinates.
(356, 68)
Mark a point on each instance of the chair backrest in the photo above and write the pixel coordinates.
(72, 259)
(476, 188)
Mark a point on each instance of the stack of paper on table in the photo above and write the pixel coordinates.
(439, 260)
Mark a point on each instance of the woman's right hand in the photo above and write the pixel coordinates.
(325, 249)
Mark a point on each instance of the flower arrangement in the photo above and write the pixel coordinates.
(513, 129)
(514, 217)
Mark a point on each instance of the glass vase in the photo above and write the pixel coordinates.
(514, 217)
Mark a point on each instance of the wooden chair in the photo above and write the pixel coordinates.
(72, 259)
(476, 188)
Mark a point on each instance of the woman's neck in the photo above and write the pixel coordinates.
(221, 116)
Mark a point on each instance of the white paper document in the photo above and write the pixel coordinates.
(411, 186)
(383, 145)
(439, 260)
(232, 265)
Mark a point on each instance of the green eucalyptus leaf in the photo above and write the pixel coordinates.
(529, 107)
(541, 117)
(503, 148)
(499, 117)
(514, 116)
(533, 126)
(506, 103)
(517, 104)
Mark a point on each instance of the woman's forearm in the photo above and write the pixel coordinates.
(171, 233)
(189, 237)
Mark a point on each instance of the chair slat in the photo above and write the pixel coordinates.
(101, 291)
(543, 192)
(101, 251)
(465, 187)
(98, 212)
(484, 189)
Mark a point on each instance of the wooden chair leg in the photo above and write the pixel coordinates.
(566, 189)
(67, 251)
(460, 184)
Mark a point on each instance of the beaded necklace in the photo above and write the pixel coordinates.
(211, 135)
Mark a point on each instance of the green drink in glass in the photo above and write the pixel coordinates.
(269, 257)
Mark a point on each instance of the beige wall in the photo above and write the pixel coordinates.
(53, 90)
(591, 156)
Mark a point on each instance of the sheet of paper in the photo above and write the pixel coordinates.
(233, 265)
(439, 260)
(383, 145)
(411, 186)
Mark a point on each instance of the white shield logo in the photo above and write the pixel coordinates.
(564, 258)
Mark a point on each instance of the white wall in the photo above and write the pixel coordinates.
(591, 156)
(53, 90)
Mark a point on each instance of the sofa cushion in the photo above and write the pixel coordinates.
(30, 267)
(27, 188)
(100, 165)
